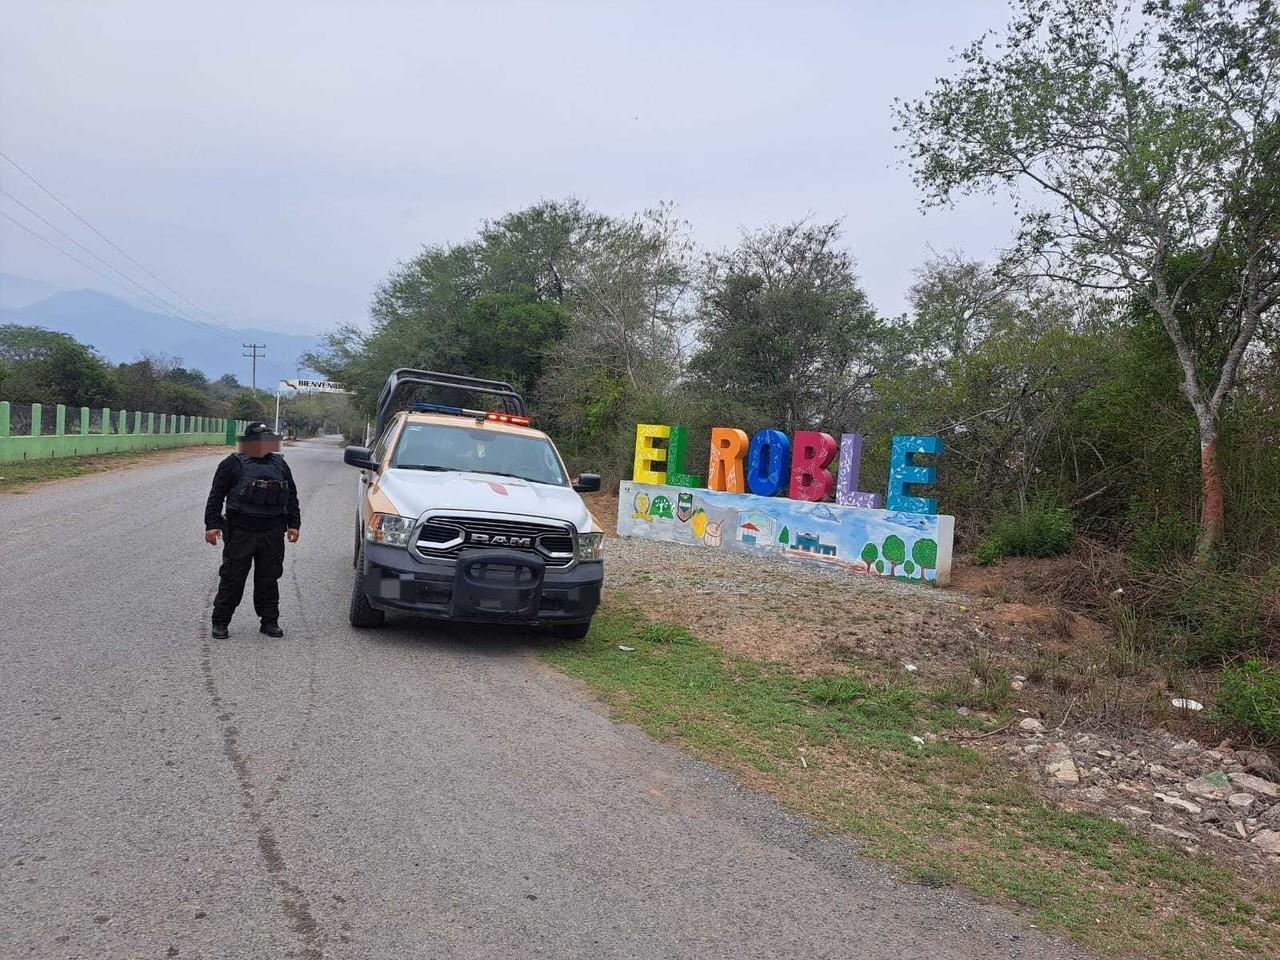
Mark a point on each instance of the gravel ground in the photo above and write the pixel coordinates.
(810, 617)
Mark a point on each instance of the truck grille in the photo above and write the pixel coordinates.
(442, 538)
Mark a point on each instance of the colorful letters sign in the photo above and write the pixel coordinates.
(908, 540)
(888, 543)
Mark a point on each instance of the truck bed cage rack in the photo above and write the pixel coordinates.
(406, 378)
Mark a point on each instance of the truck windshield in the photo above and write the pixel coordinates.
(430, 446)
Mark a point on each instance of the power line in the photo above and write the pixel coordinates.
(253, 349)
(104, 237)
(153, 299)
(68, 255)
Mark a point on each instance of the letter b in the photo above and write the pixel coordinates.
(812, 452)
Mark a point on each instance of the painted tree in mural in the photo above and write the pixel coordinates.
(784, 537)
(895, 551)
(925, 553)
(870, 554)
(1147, 135)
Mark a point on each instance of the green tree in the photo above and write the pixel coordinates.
(248, 406)
(505, 336)
(870, 553)
(184, 398)
(925, 553)
(138, 386)
(1142, 138)
(786, 327)
(993, 365)
(41, 366)
(627, 328)
(894, 551)
(491, 305)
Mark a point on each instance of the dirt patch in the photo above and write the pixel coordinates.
(604, 507)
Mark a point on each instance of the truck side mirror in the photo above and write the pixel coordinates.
(361, 457)
(588, 483)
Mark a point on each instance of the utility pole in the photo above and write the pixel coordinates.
(253, 353)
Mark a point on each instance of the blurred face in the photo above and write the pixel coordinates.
(259, 448)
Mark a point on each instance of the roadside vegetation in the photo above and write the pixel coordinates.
(49, 368)
(861, 755)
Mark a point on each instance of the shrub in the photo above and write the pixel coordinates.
(1041, 530)
(989, 552)
(1215, 616)
(1164, 542)
(1250, 697)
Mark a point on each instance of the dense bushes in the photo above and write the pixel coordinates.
(1250, 698)
(1042, 530)
(1213, 616)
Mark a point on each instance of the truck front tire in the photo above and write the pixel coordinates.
(363, 615)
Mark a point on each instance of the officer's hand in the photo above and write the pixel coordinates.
(292, 534)
(211, 537)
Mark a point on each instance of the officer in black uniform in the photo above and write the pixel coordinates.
(262, 509)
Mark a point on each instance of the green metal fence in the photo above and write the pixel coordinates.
(104, 431)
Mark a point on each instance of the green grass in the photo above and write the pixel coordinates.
(24, 473)
(839, 748)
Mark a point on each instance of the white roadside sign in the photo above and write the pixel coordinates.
(313, 386)
(305, 386)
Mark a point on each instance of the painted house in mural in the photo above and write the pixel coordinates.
(755, 528)
(812, 543)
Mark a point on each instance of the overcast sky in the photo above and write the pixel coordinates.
(273, 161)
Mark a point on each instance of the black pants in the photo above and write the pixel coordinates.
(264, 551)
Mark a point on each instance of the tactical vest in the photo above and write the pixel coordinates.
(262, 490)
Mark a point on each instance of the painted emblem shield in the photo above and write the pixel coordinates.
(684, 507)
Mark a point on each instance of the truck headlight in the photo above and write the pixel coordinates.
(389, 529)
(591, 546)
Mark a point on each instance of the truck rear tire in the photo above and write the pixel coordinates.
(363, 615)
(571, 631)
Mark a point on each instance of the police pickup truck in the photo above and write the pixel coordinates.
(469, 514)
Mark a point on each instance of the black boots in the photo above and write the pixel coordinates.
(269, 627)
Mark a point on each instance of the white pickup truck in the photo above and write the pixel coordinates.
(469, 514)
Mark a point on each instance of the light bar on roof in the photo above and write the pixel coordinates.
(514, 419)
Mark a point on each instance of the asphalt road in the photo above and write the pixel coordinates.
(412, 792)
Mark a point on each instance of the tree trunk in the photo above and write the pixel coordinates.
(1212, 512)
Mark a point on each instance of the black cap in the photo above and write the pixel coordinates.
(257, 430)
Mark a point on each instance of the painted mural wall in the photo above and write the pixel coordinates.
(888, 543)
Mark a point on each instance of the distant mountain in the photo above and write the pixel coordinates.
(18, 291)
(122, 332)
